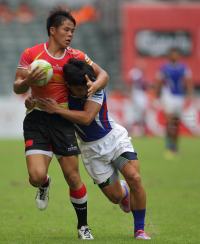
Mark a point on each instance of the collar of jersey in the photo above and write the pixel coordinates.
(46, 46)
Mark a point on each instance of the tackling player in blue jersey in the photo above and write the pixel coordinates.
(105, 145)
(172, 79)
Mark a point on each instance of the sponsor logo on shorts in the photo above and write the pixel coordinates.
(72, 147)
(128, 146)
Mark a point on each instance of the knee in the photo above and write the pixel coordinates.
(37, 177)
(72, 178)
(134, 179)
(116, 199)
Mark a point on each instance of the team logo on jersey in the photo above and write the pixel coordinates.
(72, 148)
(57, 67)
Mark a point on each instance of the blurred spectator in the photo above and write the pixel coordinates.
(138, 85)
(24, 13)
(6, 15)
(172, 79)
(85, 14)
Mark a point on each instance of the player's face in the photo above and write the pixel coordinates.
(79, 91)
(64, 34)
(174, 56)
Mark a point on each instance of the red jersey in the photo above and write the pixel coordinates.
(56, 88)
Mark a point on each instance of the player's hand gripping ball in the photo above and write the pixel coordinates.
(47, 67)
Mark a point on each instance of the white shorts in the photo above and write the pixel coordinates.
(139, 99)
(97, 156)
(172, 104)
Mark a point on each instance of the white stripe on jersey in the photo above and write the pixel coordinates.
(98, 121)
(97, 97)
(80, 129)
(20, 67)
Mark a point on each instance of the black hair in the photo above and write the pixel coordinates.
(57, 16)
(75, 71)
(174, 48)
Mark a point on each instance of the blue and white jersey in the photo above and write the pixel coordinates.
(173, 76)
(136, 76)
(102, 123)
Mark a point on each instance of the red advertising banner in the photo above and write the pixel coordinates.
(150, 30)
(121, 109)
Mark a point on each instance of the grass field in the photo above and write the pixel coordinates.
(173, 200)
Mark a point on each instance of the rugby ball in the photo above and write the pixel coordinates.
(47, 67)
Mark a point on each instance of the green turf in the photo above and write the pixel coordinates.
(173, 200)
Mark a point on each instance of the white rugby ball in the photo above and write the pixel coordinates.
(47, 67)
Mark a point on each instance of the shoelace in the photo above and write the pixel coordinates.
(142, 233)
(87, 232)
(42, 193)
(139, 231)
(125, 202)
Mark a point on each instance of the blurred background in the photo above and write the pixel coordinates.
(119, 36)
(130, 40)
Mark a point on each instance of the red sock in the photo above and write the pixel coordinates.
(79, 200)
(44, 181)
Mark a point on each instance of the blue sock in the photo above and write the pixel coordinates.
(168, 143)
(171, 145)
(139, 216)
(126, 192)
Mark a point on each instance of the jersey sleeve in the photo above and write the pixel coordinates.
(98, 97)
(82, 56)
(187, 72)
(25, 59)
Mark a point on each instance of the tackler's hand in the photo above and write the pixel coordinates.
(29, 102)
(92, 88)
(48, 105)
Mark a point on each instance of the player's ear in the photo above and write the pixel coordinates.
(52, 30)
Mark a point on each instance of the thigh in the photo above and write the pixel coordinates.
(130, 168)
(38, 162)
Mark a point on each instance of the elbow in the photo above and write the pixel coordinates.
(107, 78)
(15, 89)
(87, 121)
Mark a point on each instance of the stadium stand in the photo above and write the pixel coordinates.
(90, 37)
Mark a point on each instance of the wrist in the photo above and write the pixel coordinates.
(26, 82)
(96, 85)
(58, 110)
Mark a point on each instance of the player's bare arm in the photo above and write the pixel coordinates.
(25, 78)
(189, 87)
(101, 80)
(158, 85)
(85, 117)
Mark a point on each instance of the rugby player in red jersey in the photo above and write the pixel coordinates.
(44, 133)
